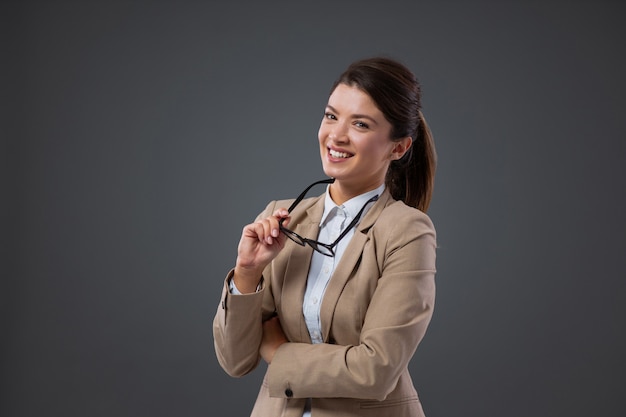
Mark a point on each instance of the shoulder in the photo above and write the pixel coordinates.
(404, 235)
(400, 218)
(401, 226)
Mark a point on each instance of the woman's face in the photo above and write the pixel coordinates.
(355, 142)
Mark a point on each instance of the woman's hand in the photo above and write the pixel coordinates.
(260, 242)
(273, 337)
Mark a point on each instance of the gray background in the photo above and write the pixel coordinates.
(139, 138)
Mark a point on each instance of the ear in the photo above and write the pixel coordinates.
(400, 147)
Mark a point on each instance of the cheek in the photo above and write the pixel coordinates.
(322, 133)
(377, 149)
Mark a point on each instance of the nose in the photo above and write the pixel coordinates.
(338, 133)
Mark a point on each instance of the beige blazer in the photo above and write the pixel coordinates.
(375, 312)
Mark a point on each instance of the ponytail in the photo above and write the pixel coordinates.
(411, 179)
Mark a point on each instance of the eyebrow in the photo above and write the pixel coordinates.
(354, 116)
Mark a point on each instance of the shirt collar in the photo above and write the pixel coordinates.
(351, 206)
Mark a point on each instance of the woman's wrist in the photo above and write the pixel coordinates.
(246, 280)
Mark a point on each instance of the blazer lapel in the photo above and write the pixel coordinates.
(348, 262)
(297, 269)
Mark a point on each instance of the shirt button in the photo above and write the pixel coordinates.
(314, 300)
(289, 392)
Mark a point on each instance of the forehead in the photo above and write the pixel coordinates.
(353, 100)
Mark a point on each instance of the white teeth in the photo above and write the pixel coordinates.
(336, 154)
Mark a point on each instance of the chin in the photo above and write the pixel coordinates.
(327, 170)
(331, 173)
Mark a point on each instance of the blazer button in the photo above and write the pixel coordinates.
(289, 392)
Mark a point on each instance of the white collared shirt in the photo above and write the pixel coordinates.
(333, 222)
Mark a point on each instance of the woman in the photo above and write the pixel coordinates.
(335, 292)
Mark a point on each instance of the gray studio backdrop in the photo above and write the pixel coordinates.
(139, 138)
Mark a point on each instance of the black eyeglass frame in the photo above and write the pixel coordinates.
(326, 249)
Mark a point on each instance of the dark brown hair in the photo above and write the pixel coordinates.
(396, 92)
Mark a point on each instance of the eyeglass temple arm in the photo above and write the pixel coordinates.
(306, 190)
(353, 222)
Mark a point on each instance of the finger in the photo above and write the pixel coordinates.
(274, 225)
(282, 214)
(274, 220)
(256, 231)
(266, 231)
(269, 225)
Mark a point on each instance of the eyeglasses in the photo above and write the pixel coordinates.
(326, 249)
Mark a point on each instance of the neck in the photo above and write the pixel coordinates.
(340, 193)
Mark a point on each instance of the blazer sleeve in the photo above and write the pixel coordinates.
(237, 324)
(396, 320)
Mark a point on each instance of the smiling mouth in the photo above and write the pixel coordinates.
(336, 154)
